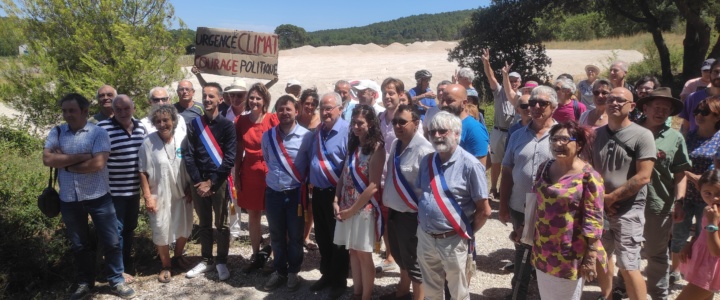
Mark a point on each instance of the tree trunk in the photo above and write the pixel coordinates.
(715, 53)
(697, 38)
(664, 53)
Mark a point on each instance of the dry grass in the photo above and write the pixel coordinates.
(633, 42)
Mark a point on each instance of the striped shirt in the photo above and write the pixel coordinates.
(123, 161)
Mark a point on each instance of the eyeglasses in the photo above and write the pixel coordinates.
(563, 140)
(542, 103)
(180, 90)
(401, 122)
(524, 105)
(101, 95)
(161, 99)
(327, 108)
(619, 100)
(440, 131)
(703, 112)
(598, 93)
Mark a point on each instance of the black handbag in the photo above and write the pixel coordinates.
(49, 199)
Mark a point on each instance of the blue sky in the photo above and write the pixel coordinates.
(264, 16)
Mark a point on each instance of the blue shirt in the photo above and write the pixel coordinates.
(425, 101)
(691, 102)
(123, 161)
(336, 145)
(474, 137)
(466, 180)
(347, 113)
(297, 144)
(90, 139)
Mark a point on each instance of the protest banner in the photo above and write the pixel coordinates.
(236, 53)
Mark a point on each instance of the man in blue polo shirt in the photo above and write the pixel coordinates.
(474, 138)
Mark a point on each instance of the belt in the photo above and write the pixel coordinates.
(501, 129)
(443, 235)
(324, 189)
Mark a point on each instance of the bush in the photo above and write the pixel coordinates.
(650, 65)
(33, 248)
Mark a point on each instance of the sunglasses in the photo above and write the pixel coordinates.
(440, 131)
(563, 140)
(524, 105)
(401, 122)
(161, 99)
(703, 112)
(598, 93)
(542, 103)
(105, 95)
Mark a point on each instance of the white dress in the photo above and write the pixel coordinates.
(168, 179)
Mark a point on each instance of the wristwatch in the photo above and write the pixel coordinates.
(711, 228)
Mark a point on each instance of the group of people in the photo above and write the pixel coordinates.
(581, 171)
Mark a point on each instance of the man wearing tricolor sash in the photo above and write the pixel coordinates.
(286, 150)
(453, 207)
(401, 196)
(209, 156)
(328, 153)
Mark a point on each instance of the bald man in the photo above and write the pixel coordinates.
(474, 138)
(624, 154)
(126, 135)
(186, 106)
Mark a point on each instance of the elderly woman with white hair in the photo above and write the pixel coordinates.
(568, 108)
(465, 77)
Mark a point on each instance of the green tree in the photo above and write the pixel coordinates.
(507, 28)
(291, 36)
(79, 45)
(9, 38)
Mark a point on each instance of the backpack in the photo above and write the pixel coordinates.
(576, 110)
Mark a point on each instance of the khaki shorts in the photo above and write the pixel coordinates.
(624, 238)
(497, 145)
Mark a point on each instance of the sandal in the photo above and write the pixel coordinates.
(310, 246)
(165, 276)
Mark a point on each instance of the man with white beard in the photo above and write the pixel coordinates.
(453, 207)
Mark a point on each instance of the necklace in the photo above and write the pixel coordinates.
(171, 160)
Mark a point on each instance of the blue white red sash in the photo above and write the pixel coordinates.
(330, 170)
(401, 184)
(361, 182)
(445, 200)
(281, 154)
(214, 150)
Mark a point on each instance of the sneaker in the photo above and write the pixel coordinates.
(385, 266)
(321, 284)
(83, 291)
(123, 291)
(202, 267)
(223, 272)
(276, 280)
(674, 278)
(293, 282)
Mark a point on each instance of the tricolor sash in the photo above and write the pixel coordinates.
(401, 184)
(361, 182)
(446, 201)
(281, 154)
(278, 150)
(214, 150)
(329, 169)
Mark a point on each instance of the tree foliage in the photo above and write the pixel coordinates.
(508, 29)
(10, 40)
(291, 36)
(79, 45)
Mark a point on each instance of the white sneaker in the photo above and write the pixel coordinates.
(223, 272)
(202, 267)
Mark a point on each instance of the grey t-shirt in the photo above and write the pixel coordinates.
(616, 165)
(504, 110)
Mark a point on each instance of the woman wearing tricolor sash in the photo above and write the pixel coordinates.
(356, 205)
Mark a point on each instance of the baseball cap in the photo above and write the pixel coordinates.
(707, 63)
(515, 74)
(365, 84)
(292, 82)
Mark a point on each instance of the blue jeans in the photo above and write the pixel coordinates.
(127, 209)
(286, 229)
(681, 231)
(102, 212)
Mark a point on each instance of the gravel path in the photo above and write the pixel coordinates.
(493, 248)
